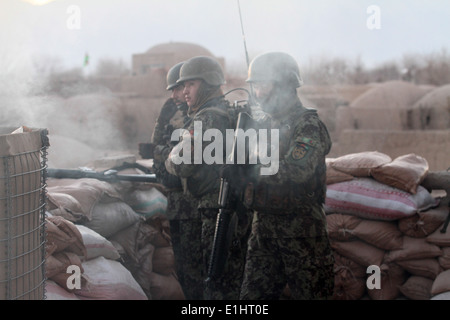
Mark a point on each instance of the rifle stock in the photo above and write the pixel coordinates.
(221, 240)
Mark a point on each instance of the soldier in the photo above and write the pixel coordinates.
(202, 78)
(289, 242)
(185, 223)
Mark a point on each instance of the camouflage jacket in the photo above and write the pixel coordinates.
(171, 117)
(199, 178)
(289, 203)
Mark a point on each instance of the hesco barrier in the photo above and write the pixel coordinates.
(23, 157)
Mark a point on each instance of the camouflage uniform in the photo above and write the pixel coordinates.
(202, 181)
(185, 223)
(289, 241)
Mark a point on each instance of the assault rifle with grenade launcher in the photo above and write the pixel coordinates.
(231, 186)
(229, 198)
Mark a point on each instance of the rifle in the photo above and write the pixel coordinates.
(229, 202)
(108, 175)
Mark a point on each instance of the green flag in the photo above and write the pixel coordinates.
(86, 60)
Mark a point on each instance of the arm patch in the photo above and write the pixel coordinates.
(301, 149)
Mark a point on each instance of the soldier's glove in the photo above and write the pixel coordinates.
(146, 150)
(168, 110)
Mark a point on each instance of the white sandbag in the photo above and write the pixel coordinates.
(108, 280)
(53, 291)
(109, 218)
(97, 245)
(148, 202)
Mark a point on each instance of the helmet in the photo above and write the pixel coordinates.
(275, 66)
(204, 68)
(173, 75)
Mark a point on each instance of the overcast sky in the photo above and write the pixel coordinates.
(117, 29)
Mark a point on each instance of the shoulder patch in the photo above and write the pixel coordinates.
(299, 151)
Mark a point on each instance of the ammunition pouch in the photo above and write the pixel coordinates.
(165, 178)
(287, 198)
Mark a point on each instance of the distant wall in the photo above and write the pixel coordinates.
(434, 145)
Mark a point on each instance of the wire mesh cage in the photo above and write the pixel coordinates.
(23, 157)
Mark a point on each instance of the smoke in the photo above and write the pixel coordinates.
(82, 127)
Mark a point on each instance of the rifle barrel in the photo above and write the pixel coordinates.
(79, 174)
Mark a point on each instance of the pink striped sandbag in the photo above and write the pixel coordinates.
(370, 199)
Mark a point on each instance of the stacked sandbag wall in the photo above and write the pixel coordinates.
(380, 215)
(126, 235)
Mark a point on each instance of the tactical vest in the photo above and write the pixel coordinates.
(288, 196)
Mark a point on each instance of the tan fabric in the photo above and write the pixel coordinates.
(444, 260)
(440, 239)
(405, 172)
(428, 268)
(360, 164)
(87, 191)
(340, 226)
(423, 223)
(417, 288)
(381, 234)
(413, 248)
(335, 176)
(441, 283)
(392, 276)
(349, 280)
(63, 235)
(360, 252)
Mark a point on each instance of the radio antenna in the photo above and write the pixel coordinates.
(245, 46)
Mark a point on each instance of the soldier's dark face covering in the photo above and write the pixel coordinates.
(274, 97)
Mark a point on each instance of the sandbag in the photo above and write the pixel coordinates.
(359, 252)
(87, 191)
(340, 226)
(143, 272)
(54, 291)
(65, 205)
(413, 248)
(392, 276)
(381, 234)
(422, 224)
(148, 202)
(427, 267)
(405, 172)
(417, 288)
(109, 218)
(108, 280)
(442, 296)
(165, 287)
(444, 259)
(164, 260)
(349, 279)
(360, 164)
(370, 199)
(441, 284)
(97, 245)
(440, 239)
(333, 175)
(64, 235)
(67, 259)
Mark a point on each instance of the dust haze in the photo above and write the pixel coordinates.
(102, 107)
